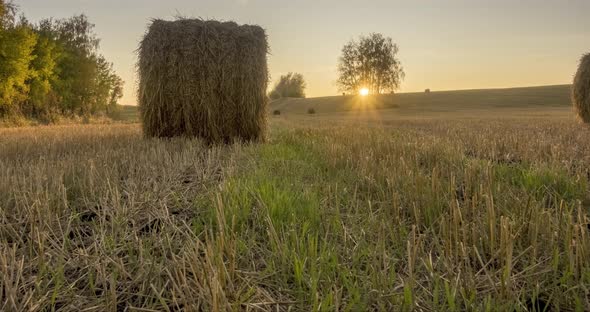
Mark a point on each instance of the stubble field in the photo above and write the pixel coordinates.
(482, 213)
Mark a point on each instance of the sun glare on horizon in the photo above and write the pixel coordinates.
(364, 92)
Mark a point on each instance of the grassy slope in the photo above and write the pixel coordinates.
(531, 101)
(550, 99)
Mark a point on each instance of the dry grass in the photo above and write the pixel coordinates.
(203, 78)
(581, 89)
(439, 104)
(94, 216)
(328, 216)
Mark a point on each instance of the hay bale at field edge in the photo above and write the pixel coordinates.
(581, 89)
(204, 79)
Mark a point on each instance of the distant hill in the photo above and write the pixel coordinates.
(545, 97)
(545, 100)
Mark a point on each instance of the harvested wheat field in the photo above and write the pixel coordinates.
(330, 215)
(294, 156)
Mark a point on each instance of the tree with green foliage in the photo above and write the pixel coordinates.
(42, 102)
(53, 68)
(78, 65)
(372, 63)
(289, 85)
(17, 43)
(7, 13)
(109, 88)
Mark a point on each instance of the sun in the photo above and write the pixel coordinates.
(364, 92)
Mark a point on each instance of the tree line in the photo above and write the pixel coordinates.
(53, 68)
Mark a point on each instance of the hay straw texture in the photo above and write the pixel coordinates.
(204, 79)
(581, 89)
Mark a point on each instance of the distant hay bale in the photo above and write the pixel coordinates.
(204, 79)
(581, 90)
(311, 110)
(276, 112)
(427, 91)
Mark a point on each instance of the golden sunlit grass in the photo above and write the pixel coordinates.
(328, 216)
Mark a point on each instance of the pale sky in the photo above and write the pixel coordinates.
(444, 45)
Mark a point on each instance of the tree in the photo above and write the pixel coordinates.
(289, 85)
(17, 43)
(7, 13)
(274, 95)
(109, 87)
(41, 102)
(371, 62)
(87, 83)
(78, 64)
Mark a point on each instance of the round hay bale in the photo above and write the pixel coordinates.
(581, 89)
(204, 79)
